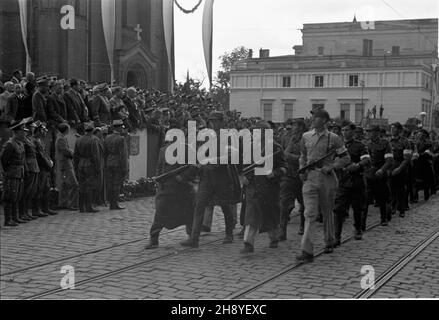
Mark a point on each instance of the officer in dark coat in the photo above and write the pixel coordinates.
(12, 158)
(116, 163)
(46, 164)
(424, 170)
(381, 157)
(291, 185)
(262, 211)
(219, 184)
(402, 153)
(32, 170)
(352, 188)
(175, 198)
(87, 166)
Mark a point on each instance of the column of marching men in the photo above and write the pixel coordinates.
(325, 171)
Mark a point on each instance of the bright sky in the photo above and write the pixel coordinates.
(274, 25)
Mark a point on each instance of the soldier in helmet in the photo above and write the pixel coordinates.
(12, 158)
(87, 166)
(116, 163)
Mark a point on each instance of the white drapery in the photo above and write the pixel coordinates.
(168, 27)
(109, 24)
(23, 22)
(207, 30)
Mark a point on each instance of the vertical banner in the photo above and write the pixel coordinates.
(109, 24)
(168, 28)
(207, 30)
(23, 22)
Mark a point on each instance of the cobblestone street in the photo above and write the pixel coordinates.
(107, 253)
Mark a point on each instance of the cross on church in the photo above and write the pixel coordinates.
(139, 31)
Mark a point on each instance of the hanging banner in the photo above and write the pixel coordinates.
(109, 24)
(207, 30)
(168, 28)
(23, 21)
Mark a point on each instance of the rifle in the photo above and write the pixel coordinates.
(314, 163)
(250, 168)
(165, 176)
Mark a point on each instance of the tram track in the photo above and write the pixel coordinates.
(391, 272)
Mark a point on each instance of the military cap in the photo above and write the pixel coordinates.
(19, 125)
(63, 126)
(262, 125)
(316, 108)
(397, 125)
(298, 121)
(117, 123)
(216, 116)
(89, 126)
(43, 82)
(321, 113)
(39, 125)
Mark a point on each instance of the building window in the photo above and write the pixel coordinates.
(395, 51)
(286, 82)
(268, 111)
(289, 111)
(353, 80)
(321, 51)
(318, 81)
(359, 112)
(367, 48)
(345, 111)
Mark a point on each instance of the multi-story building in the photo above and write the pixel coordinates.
(347, 68)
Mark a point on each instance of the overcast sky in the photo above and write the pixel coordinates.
(274, 25)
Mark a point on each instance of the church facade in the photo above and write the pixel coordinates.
(140, 56)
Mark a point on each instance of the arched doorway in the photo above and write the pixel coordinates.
(136, 77)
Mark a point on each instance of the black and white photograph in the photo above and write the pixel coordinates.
(219, 155)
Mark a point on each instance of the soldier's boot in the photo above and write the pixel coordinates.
(248, 248)
(36, 209)
(153, 243)
(45, 205)
(302, 224)
(283, 232)
(190, 243)
(16, 216)
(338, 224)
(9, 222)
(88, 206)
(115, 206)
(81, 201)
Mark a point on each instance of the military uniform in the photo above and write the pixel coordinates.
(13, 161)
(291, 186)
(351, 190)
(116, 166)
(87, 165)
(381, 156)
(401, 155)
(262, 211)
(30, 190)
(424, 169)
(46, 165)
(174, 201)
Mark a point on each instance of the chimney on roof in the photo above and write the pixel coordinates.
(264, 53)
(250, 53)
(298, 50)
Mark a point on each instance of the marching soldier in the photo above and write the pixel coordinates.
(401, 159)
(425, 173)
(262, 211)
(116, 163)
(87, 166)
(352, 188)
(45, 164)
(219, 184)
(320, 181)
(175, 197)
(291, 185)
(12, 160)
(381, 157)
